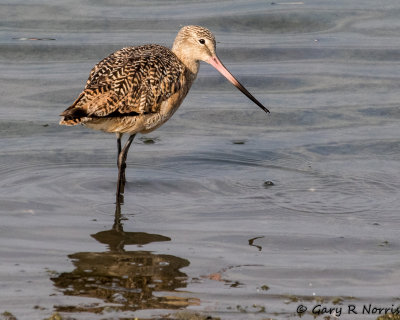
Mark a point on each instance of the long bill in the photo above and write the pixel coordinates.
(217, 64)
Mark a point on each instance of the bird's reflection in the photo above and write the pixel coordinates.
(128, 279)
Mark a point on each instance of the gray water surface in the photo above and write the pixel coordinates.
(230, 212)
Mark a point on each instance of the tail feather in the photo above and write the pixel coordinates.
(70, 122)
(74, 114)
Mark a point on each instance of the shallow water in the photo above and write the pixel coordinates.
(201, 227)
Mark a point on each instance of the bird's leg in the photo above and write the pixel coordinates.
(119, 136)
(117, 219)
(122, 161)
(119, 196)
(121, 167)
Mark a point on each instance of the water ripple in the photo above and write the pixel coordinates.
(336, 194)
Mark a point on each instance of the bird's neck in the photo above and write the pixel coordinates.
(185, 57)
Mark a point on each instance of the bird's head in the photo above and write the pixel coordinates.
(194, 44)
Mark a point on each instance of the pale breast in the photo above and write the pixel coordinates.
(167, 109)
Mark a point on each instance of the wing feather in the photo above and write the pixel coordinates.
(133, 80)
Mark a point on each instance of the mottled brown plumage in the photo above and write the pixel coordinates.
(137, 89)
(131, 84)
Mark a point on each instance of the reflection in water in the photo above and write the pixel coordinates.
(126, 278)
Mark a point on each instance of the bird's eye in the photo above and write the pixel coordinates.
(202, 41)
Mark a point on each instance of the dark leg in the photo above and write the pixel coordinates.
(117, 219)
(121, 167)
(119, 136)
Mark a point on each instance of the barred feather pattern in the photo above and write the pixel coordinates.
(133, 82)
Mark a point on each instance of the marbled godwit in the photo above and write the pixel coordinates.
(137, 89)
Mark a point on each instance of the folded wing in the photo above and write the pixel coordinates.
(130, 82)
